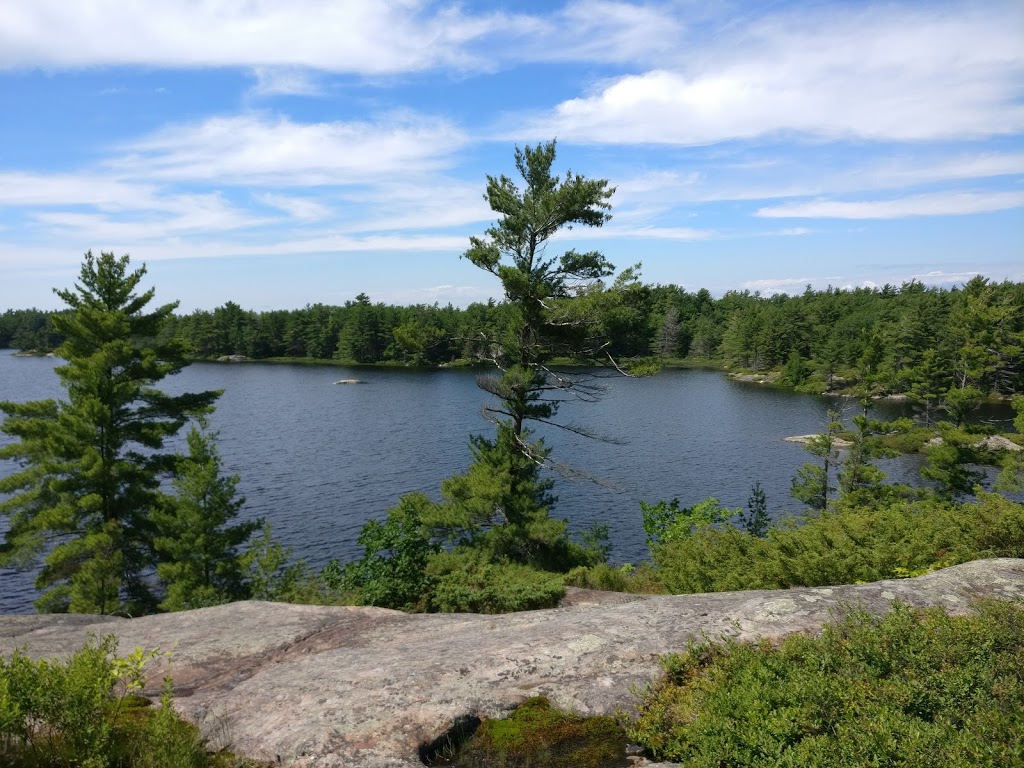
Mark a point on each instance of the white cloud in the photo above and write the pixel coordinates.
(784, 284)
(881, 73)
(594, 30)
(300, 208)
(21, 189)
(256, 149)
(285, 81)
(421, 204)
(937, 204)
(459, 295)
(177, 215)
(15, 255)
(904, 173)
(645, 233)
(281, 39)
(358, 36)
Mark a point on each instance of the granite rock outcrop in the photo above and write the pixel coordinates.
(365, 687)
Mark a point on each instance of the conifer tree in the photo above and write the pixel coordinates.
(92, 464)
(546, 321)
(196, 542)
(812, 482)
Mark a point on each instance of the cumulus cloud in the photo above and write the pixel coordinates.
(877, 73)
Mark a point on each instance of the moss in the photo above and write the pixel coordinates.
(537, 735)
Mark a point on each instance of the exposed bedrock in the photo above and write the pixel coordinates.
(320, 686)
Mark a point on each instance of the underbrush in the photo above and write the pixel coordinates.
(844, 546)
(915, 688)
(86, 712)
(466, 582)
(641, 579)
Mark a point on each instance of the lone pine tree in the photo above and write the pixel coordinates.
(503, 492)
(92, 464)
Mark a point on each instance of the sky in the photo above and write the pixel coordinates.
(278, 153)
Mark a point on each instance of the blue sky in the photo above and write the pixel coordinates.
(277, 153)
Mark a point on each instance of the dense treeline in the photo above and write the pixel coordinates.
(907, 339)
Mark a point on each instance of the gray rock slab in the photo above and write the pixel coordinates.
(364, 687)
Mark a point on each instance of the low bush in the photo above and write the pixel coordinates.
(86, 712)
(911, 689)
(843, 546)
(465, 581)
(641, 579)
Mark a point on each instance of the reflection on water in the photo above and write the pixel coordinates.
(318, 459)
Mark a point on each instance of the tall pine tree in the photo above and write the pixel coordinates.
(92, 464)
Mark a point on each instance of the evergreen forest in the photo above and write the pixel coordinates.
(909, 339)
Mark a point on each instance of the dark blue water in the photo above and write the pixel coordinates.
(318, 459)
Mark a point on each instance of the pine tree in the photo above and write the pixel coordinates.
(811, 484)
(755, 520)
(548, 318)
(197, 546)
(91, 465)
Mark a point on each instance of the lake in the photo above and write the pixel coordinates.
(318, 459)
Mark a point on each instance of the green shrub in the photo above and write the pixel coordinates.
(537, 735)
(910, 689)
(85, 712)
(465, 581)
(640, 579)
(910, 440)
(393, 570)
(844, 546)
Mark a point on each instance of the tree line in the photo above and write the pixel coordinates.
(907, 339)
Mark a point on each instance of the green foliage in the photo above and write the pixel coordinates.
(403, 567)
(951, 463)
(537, 735)
(811, 484)
(795, 370)
(860, 481)
(1011, 479)
(912, 688)
(843, 546)
(85, 712)
(640, 579)
(467, 581)
(198, 548)
(554, 304)
(501, 504)
(91, 465)
(905, 339)
(906, 437)
(170, 741)
(28, 330)
(393, 570)
(271, 572)
(667, 521)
